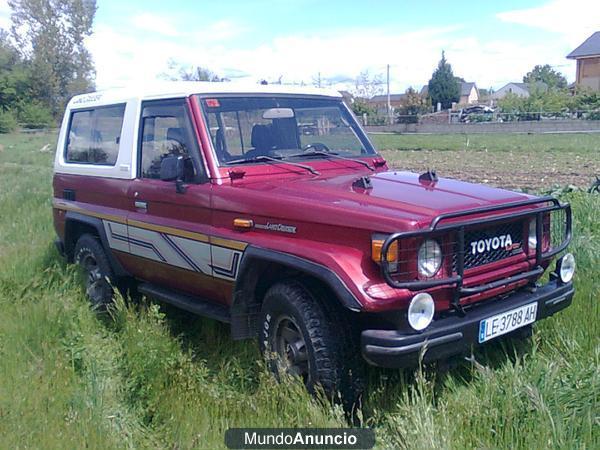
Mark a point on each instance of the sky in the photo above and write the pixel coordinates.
(490, 43)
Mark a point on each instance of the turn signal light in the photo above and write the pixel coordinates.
(243, 223)
(377, 245)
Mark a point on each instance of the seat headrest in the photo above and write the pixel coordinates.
(175, 134)
(262, 137)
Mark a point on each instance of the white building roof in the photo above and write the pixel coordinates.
(172, 89)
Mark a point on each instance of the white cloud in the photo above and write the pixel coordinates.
(574, 19)
(130, 56)
(5, 12)
(220, 31)
(155, 24)
(123, 58)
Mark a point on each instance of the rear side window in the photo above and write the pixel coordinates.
(94, 135)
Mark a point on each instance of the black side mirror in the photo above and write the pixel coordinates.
(172, 169)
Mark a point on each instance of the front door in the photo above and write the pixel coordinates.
(169, 231)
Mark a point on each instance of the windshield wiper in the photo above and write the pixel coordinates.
(332, 155)
(278, 159)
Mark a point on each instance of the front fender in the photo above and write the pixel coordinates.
(320, 272)
(245, 307)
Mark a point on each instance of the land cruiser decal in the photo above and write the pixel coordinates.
(276, 227)
(203, 257)
(87, 98)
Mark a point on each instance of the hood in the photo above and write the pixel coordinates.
(393, 197)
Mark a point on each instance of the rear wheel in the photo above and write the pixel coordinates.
(299, 338)
(90, 256)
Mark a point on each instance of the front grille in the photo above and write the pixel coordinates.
(487, 245)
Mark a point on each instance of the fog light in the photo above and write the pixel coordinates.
(420, 311)
(566, 267)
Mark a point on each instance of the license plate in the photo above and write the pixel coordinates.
(507, 321)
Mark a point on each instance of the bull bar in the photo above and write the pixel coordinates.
(457, 279)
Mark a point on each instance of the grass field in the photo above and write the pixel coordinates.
(525, 161)
(153, 377)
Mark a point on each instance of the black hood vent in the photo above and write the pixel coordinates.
(363, 183)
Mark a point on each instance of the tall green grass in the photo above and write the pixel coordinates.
(149, 376)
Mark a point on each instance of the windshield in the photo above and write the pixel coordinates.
(247, 128)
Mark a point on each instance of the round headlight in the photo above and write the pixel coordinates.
(567, 268)
(420, 311)
(430, 258)
(532, 241)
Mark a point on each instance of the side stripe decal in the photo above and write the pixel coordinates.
(181, 253)
(229, 272)
(64, 205)
(130, 241)
(149, 246)
(198, 256)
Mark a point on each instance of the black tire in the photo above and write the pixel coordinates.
(297, 336)
(91, 257)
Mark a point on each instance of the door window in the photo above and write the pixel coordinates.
(165, 131)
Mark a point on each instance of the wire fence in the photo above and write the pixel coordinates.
(469, 116)
(522, 116)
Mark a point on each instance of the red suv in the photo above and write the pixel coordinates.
(267, 207)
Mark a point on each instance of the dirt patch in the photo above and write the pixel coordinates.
(521, 170)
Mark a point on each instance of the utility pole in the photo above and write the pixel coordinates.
(316, 81)
(389, 103)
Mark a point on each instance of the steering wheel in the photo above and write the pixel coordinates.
(318, 146)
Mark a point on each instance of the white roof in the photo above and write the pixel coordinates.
(171, 89)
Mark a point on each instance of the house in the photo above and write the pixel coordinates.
(519, 89)
(469, 94)
(379, 102)
(587, 56)
(396, 100)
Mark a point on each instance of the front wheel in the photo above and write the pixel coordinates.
(298, 337)
(90, 256)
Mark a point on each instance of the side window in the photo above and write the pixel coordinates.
(94, 135)
(166, 130)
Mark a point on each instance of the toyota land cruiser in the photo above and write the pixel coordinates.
(267, 207)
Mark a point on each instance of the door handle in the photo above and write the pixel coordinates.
(141, 205)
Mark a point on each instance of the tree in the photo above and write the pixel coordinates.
(367, 86)
(180, 72)
(415, 103)
(412, 105)
(443, 87)
(17, 100)
(50, 36)
(547, 75)
(540, 103)
(360, 107)
(14, 75)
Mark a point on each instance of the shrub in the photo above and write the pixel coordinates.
(407, 118)
(35, 115)
(478, 118)
(8, 122)
(588, 103)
